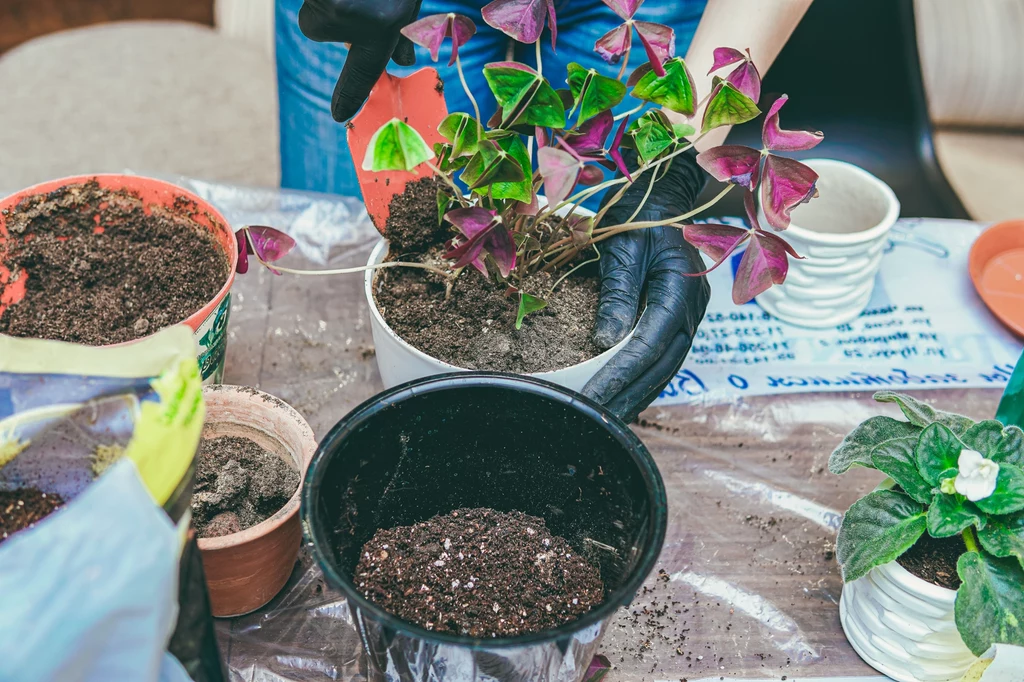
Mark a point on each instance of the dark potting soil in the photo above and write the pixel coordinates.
(478, 572)
(101, 270)
(20, 508)
(238, 484)
(475, 327)
(934, 560)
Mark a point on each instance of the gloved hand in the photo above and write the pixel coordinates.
(371, 27)
(656, 257)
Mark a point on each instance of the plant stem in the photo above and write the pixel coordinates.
(647, 195)
(451, 183)
(970, 540)
(563, 277)
(632, 111)
(540, 66)
(350, 271)
(469, 94)
(625, 60)
(613, 230)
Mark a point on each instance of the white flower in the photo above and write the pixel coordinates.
(977, 477)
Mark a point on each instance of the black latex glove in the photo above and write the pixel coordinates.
(656, 257)
(371, 27)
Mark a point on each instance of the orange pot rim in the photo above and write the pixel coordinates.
(992, 242)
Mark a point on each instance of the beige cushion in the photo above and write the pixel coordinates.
(158, 97)
(248, 20)
(986, 169)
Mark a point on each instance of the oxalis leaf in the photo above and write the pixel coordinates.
(593, 93)
(461, 130)
(491, 164)
(524, 96)
(996, 442)
(599, 665)
(922, 414)
(938, 450)
(652, 134)
(528, 304)
(395, 146)
(876, 529)
(519, 190)
(989, 605)
(444, 200)
(430, 32)
(950, 514)
(1003, 536)
(727, 106)
(895, 458)
(673, 91)
(522, 20)
(1008, 497)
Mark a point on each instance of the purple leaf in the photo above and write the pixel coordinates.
(616, 149)
(764, 263)
(776, 139)
(732, 163)
(615, 43)
(599, 665)
(590, 137)
(527, 208)
(746, 79)
(591, 175)
(541, 135)
(269, 244)
(484, 234)
(717, 241)
(430, 32)
(748, 206)
(724, 56)
(522, 19)
(786, 183)
(560, 169)
(624, 8)
(659, 42)
(581, 229)
(242, 266)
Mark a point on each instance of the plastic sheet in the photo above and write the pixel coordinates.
(749, 588)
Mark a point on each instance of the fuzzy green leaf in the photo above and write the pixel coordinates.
(525, 97)
(922, 414)
(728, 106)
(528, 304)
(673, 91)
(444, 200)
(950, 514)
(461, 130)
(855, 450)
(989, 605)
(938, 450)
(876, 529)
(521, 190)
(1008, 497)
(1004, 536)
(996, 442)
(395, 146)
(895, 457)
(593, 93)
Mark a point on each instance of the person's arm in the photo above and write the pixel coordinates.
(764, 27)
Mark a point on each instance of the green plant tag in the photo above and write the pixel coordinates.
(395, 146)
(674, 90)
(938, 450)
(1008, 497)
(989, 605)
(1004, 536)
(855, 450)
(876, 529)
(895, 457)
(950, 514)
(524, 95)
(922, 414)
(593, 93)
(528, 304)
(728, 106)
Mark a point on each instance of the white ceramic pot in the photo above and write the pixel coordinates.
(399, 362)
(903, 627)
(841, 235)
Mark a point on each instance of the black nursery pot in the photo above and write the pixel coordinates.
(480, 439)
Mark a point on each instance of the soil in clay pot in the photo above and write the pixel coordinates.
(478, 572)
(238, 484)
(934, 560)
(475, 327)
(22, 508)
(101, 270)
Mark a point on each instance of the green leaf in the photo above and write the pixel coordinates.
(938, 449)
(1008, 497)
(877, 528)
(922, 414)
(395, 146)
(528, 304)
(524, 95)
(682, 130)
(592, 92)
(950, 514)
(444, 200)
(1011, 405)
(673, 91)
(1004, 536)
(445, 162)
(461, 130)
(521, 190)
(651, 135)
(989, 605)
(728, 106)
(855, 450)
(895, 457)
(491, 164)
(996, 442)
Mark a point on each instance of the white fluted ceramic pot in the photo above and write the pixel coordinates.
(841, 235)
(398, 361)
(903, 627)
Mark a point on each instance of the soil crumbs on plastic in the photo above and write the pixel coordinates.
(21, 508)
(934, 560)
(478, 572)
(102, 270)
(475, 327)
(238, 484)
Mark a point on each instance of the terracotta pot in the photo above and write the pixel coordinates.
(209, 323)
(245, 570)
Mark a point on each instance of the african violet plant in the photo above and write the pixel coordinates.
(505, 231)
(951, 476)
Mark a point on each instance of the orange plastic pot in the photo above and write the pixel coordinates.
(209, 323)
(996, 265)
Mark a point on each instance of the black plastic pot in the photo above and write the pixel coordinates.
(484, 440)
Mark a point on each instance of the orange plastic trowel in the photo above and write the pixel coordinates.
(419, 101)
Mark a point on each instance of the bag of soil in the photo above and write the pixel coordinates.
(70, 414)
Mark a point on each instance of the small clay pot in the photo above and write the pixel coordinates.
(245, 570)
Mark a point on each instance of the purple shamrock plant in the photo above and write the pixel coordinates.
(513, 184)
